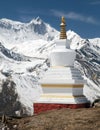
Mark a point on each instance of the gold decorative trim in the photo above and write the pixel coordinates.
(61, 96)
(62, 85)
(63, 29)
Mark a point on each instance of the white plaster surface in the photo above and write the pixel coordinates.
(63, 42)
(71, 91)
(64, 75)
(78, 100)
(62, 57)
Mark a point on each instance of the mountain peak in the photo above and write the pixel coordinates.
(20, 32)
(38, 19)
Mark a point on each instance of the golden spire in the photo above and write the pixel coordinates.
(63, 29)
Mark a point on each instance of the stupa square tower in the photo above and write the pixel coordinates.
(62, 84)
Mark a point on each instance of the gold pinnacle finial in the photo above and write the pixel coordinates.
(63, 19)
(63, 29)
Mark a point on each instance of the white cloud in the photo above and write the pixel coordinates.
(76, 16)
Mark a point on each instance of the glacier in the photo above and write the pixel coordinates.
(24, 52)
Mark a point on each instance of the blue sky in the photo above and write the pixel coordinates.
(82, 16)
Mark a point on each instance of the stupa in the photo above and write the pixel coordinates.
(62, 84)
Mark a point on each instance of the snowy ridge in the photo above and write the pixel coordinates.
(88, 62)
(24, 52)
(12, 55)
(19, 76)
(17, 32)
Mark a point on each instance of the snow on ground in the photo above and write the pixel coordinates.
(32, 48)
(24, 75)
(24, 60)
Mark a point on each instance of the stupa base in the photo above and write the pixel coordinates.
(43, 107)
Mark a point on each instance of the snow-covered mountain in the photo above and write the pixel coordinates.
(17, 32)
(24, 51)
